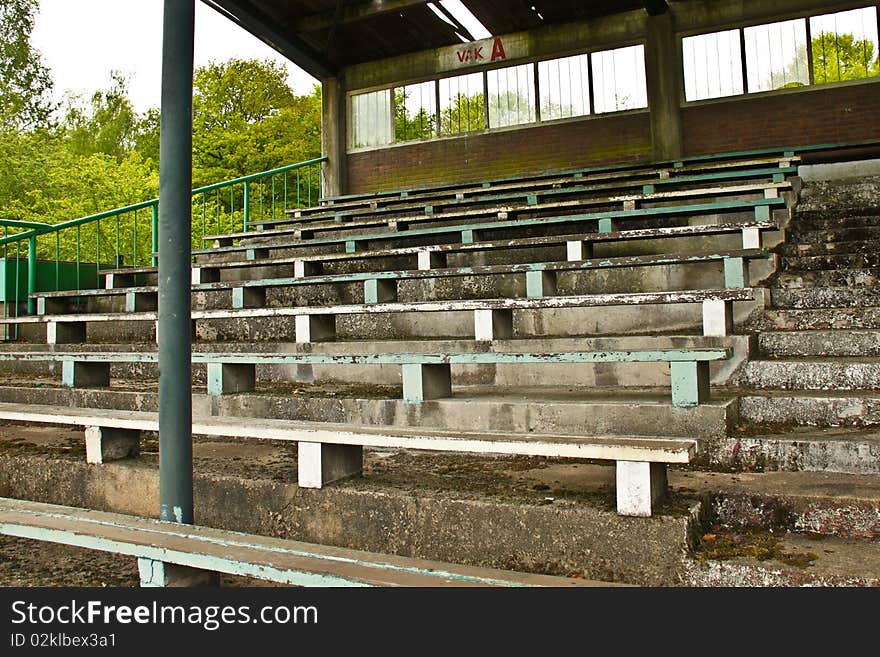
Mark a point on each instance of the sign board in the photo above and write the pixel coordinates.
(477, 53)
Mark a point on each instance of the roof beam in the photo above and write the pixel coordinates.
(262, 27)
(655, 7)
(352, 14)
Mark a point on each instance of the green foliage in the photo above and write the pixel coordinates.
(838, 57)
(25, 83)
(108, 124)
(409, 125)
(466, 114)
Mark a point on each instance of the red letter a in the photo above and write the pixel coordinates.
(498, 50)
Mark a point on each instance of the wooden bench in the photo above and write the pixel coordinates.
(410, 222)
(493, 318)
(328, 452)
(171, 554)
(578, 247)
(468, 233)
(658, 171)
(382, 286)
(425, 376)
(513, 202)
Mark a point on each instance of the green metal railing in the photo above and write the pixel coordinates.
(70, 254)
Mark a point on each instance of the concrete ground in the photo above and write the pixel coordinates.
(742, 533)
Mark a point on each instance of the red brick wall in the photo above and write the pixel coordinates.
(818, 116)
(590, 142)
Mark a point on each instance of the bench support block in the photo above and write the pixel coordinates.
(205, 275)
(303, 268)
(717, 317)
(65, 332)
(230, 378)
(108, 444)
(423, 382)
(314, 328)
(577, 250)
(540, 284)
(85, 375)
(319, 464)
(493, 324)
(607, 225)
(751, 237)
(119, 280)
(162, 574)
(690, 382)
(248, 297)
(141, 301)
(380, 290)
(431, 260)
(641, 486)
(736, 273)
(256, 254)
(50, 306)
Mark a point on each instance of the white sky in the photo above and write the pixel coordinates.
(82, 41)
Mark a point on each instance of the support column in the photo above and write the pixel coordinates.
(175, 222)
(109, 444)
(162, 574)
(319, 464)
(334, 137)
(664, 78)
(640, 487)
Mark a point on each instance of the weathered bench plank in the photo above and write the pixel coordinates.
(329, 452)
(157, 545)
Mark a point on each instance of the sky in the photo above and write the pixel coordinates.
(82, 41)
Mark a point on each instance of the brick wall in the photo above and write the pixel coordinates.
(818, 116)
(589, 142)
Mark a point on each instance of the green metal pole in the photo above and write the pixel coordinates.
(32, 274)
(247, 206)
(175, 222)
(154, 246)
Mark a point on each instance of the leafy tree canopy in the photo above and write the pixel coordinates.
(25, 83)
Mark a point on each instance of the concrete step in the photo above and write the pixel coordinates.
(784, 409)
(834, 219)
(845, 261)
(824, 297)
(748, 558)
(800, 248)
(524, 409)
(820, 504)
(852, 451)
(855, 277)
(819, 343)
(798, 234)
(797, 319)
(855, 373)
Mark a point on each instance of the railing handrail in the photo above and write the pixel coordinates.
(37, 228)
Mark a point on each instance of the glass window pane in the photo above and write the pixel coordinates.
(776, 55)
(619, 79)
(415, 111)
(844, 45)
(565, 87)
(462, 106)
(511, 96)
(712, 65)
(371, 118)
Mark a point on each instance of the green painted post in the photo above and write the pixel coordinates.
(32, 273)
(175, 224)
(247, 206)
(154, 246)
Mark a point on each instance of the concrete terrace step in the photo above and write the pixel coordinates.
(814, 319)
(852, 408)
(834, 220)
(828, 247)
(798, 234)
(530, 409)
(845, 261)
(827, 343)
(850, 451)
(813, 374)
(824, 297)
(846, 277)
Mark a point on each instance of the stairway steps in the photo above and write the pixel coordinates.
(822, 262)
(846, 277)
(813, 374)
(819, 343)
(828, 246)
(824, 297)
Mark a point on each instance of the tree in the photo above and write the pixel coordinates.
(107, 125)
(467, 113)
(409, 125)
(838, 57)
(25, 83)
(247, 119)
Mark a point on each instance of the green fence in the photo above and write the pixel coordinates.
(69, 255)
